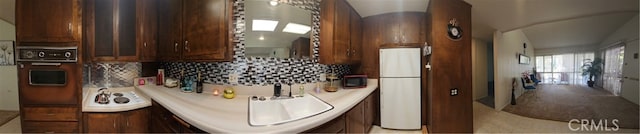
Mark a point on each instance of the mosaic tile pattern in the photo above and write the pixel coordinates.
(110, 75)
(261, 70)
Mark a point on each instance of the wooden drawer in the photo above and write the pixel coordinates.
(50, 127)
(50, 114)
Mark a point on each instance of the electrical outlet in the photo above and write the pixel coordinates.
(323, 77)
(454, 91)
(233, 78)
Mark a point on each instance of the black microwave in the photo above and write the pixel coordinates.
(354, 81)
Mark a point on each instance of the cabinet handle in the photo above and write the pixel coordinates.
(127, 122)
(348, 52)
(144, 44)
(70, 30)
(186, 46)
(114, 123)
(50, 114)
(175, 47)
(185, 124)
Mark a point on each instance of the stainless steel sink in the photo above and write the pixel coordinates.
(278, 111)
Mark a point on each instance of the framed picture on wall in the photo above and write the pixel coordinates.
(523, 59)
(7, 53)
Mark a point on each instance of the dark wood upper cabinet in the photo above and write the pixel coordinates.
(147, 24)
(340, 34)
(111, 30)
(48, 20)
(195, 30)
(169, 30)
(356, 37)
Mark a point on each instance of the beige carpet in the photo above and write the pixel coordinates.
(567, 102)
(6, 116)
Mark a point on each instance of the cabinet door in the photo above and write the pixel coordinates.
(147, 33)
(369, 111)
(205, 30)
(356, 37)
(48, 20)
(342, 33)
(355, 119)
(335, 126)
(101, 122)
(136, 121)
(111, 30)
(100, 29)
(169, 29)
(127, 49)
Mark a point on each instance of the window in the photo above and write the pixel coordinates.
(562, 68)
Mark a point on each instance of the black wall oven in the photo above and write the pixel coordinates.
(48, 75)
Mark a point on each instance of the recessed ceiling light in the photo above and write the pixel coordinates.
(273, 3)
(264, 25)
(296, 28)
(261, 38)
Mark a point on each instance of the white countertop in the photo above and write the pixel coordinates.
(88, 96)
(216, 114)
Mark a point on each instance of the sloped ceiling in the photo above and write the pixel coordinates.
(552, 23)
(7, 11)
(375, 7)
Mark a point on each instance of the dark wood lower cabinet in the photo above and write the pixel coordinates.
(135, 121)
(357, 120)
(50, 127)
(336, 125)
(163, 121)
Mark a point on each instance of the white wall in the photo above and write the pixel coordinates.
(506, 47)
(479, 68)
(8, 74)
(628, 33)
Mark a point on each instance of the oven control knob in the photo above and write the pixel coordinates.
(41, 54)
(29, 54)
(67, 54)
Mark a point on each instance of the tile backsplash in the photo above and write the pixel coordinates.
(110, 75)
(250, 70)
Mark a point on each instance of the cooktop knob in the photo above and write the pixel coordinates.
(41, 54)
(29, 54)
(67, 54)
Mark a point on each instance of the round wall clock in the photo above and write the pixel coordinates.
(454, 31)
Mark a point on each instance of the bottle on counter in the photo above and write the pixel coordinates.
(160, 77)
(301, 92)
(199, 84)
(182, 80)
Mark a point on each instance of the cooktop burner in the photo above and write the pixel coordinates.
(121, 100)
(117, 94)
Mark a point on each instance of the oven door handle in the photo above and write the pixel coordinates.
(45, 64)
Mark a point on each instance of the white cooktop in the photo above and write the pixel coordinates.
(133, 99)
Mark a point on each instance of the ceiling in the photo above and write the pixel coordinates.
(7, 12)
(552, 23)
(374, 7)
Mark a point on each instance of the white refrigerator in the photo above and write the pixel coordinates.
(400, 88)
